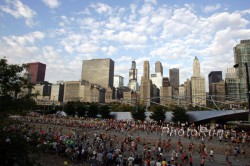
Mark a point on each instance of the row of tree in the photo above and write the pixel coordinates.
(85, 109)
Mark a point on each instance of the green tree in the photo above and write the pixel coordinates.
(14, 81)
(69, 108)
(104, 111)
(93, 110)
(139, 114)
(158, 114)
(80, 108)
(179, 115)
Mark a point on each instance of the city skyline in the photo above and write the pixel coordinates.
(62, 34)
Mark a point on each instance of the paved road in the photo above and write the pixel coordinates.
(219, 148)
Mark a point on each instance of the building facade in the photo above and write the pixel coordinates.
(98, 71)
(214, 77)
(242, 61)
(36, 72)
(174, 81)
(146, 85)
(118, 81)
(198, 90)
(133, 84)
(231, 85)
(57, 92)
(166, 92)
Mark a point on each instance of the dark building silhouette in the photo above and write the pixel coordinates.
(214, 77)
(174, 81)
(36, 72)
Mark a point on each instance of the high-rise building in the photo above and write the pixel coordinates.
(187, 92)
(242, 60)
(133, 84)
(231, 85)
(198, 90)
(146, 85)
(36, 72)
(157, 78)
(165, 92)
(118, 81)
(174, 81)
(214, 77)
(158, 68)
(99, 71)
(218, 91)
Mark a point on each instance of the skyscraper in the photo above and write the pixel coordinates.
(146, 84)
(118, 81)
(165, 92)
(158, 75)
(231, 85)
(198, 90)
(133, 84)
(214, 77)
(36, 72)
(174, 81)
(98, 71)
(157, 78)
(158, 67)
(241, 59)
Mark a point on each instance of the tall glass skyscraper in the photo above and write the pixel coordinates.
(241, 58)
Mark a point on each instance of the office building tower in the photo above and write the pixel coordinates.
(157, 77)
(98, 71)
(158, 67)
(174, 81)
(166, 92)
(133, 84)
(36, 72)
(214, 77)
(231, 85)
(157, 81)
(198, 90)
(187, 92)
(118, 81)
(242, 61)
(218, 92)
(146, 85)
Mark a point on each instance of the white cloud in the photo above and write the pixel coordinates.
(52, 3)
(102, 8)
(211, 8)
(30, 38)
(19, 10)
(131, 38)
(151, 1)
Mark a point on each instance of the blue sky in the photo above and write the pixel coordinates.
(62, 33)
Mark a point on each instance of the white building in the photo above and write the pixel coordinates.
(118, 81)
(198, 90)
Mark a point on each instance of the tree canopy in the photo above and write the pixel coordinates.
(139, 114)
(158, 114)
(14, 81)
(179, 115)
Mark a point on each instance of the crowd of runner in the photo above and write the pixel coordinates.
(126, 142)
